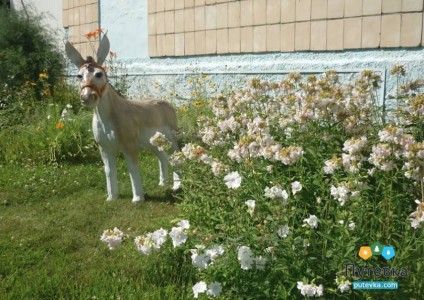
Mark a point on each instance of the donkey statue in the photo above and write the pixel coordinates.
(123, 125)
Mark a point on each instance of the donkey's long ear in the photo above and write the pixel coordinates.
(103, 50)
(73, 55)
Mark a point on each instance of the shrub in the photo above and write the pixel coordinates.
(29, 53)
(315, 175)
(27, 48)
(291, 179)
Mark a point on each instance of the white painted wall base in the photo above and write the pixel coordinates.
(159, 77)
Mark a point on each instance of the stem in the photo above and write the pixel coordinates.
(422, 186)
(25, 10)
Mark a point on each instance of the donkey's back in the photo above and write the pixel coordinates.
(156, 113)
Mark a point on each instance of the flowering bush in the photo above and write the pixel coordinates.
(288, 180)
(291, 178)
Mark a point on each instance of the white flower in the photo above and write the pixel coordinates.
(250, 206)
(112, 237)
(343, 284)
(245, 256)
(312, 221)
(159, 237)
(319, 290)
(200, 260)
(233, 180)
(355, 145)
(289, 155)
(199, 288)
(214, 289)
(64, 114)
(160, 141)
(215, 251)
(371, 171)
(260, 263)
(192, 151)
(270, 169)
(185, 224)
(340, 193)
(417, 217)
(283, 231)
(331, 165)
(415, 222)
(144, 244)
(351, 225)
(276, 192)
(228, 125)
(176, 159)
(206, 159)
(151, 241)
(209, 135)
(218, 168)
(178, 236)
(380, 155)
(296, 187)
(310, 290)
(343, 287)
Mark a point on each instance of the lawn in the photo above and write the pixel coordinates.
(51, 219)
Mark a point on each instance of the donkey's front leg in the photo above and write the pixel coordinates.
(109, 161)
(164, 171)
(134, 170)
(163, 167)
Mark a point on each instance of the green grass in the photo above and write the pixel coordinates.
(51, 219)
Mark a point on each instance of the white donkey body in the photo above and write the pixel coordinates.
(123, 125)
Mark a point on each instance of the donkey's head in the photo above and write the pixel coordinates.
(91, 74)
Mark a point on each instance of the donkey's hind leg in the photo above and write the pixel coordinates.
(176, 174)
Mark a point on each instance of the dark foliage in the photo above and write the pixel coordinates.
(27, 48)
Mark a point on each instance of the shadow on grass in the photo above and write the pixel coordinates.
(166, 197)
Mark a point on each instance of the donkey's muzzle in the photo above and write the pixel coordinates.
(89, 97)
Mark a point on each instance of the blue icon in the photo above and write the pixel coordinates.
(388, 252)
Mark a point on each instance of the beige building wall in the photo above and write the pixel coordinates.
(81, 17)
(196, 27)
